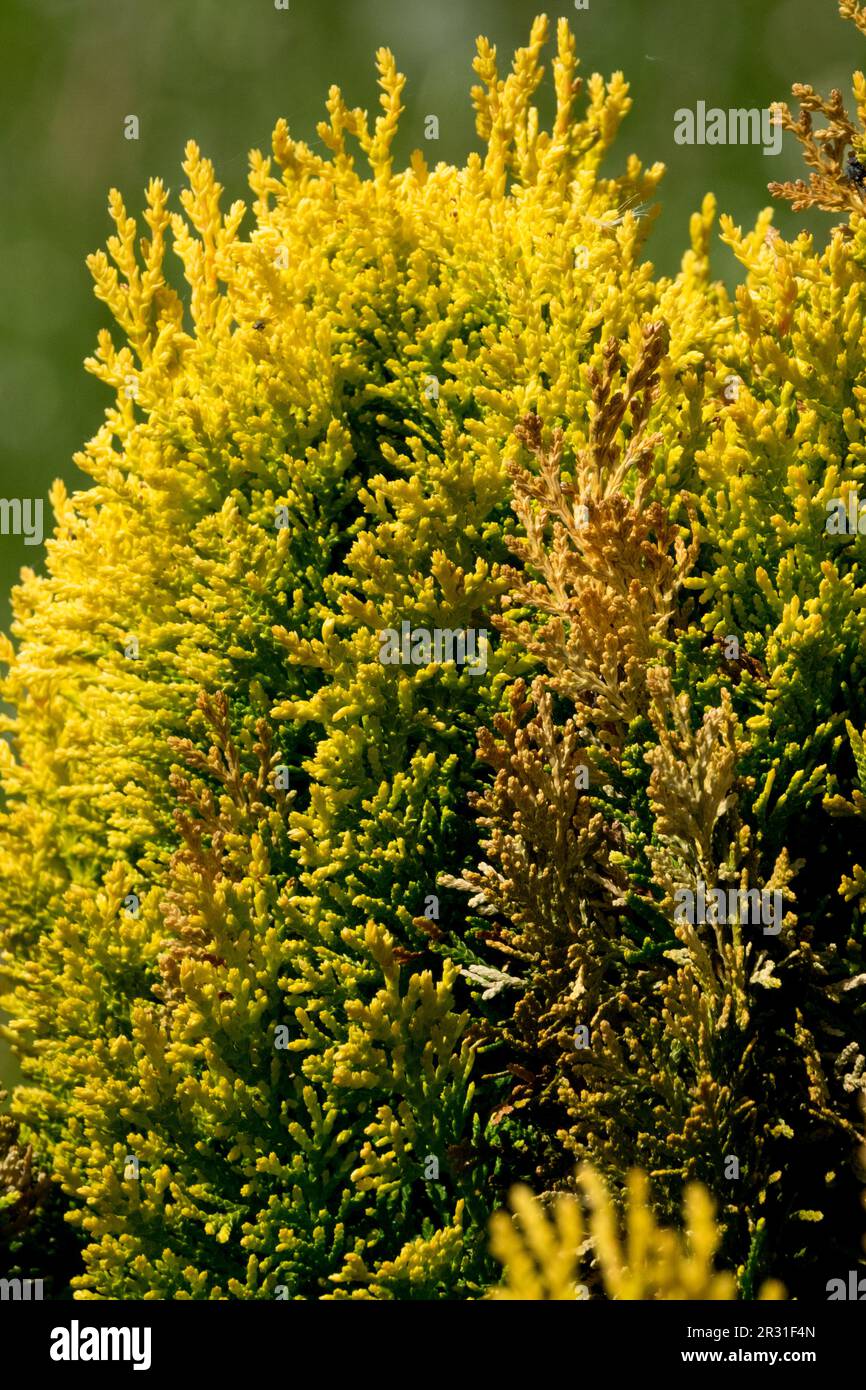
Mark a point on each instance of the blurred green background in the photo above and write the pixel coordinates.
(222, 71)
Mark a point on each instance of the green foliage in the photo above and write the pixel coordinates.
(714, 736)
(229, 983)
(272, 1047)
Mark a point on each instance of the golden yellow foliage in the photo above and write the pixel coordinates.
(546, 1248)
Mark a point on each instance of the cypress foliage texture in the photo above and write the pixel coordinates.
(304, 972)
(695, 729)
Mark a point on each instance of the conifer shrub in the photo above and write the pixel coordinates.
(696, 724)
(300, 987)
(248, 1060)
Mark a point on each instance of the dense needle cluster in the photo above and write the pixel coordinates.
(300, 985)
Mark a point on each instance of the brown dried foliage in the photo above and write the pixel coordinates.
(215, 831)
(829, 187)
(18, 1180)
(608, 565)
